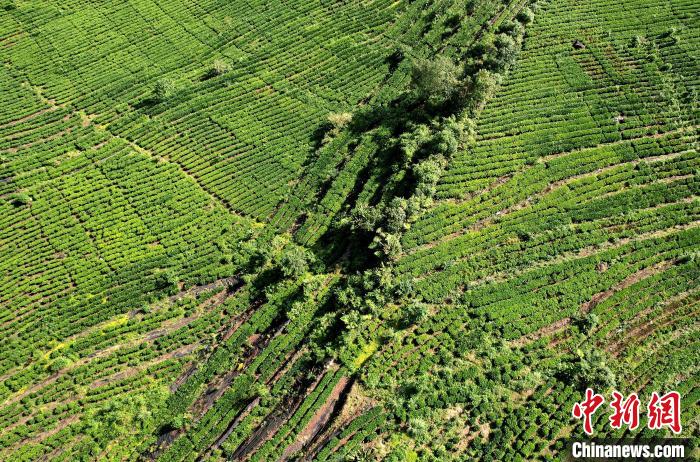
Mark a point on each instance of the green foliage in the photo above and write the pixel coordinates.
(586, 322)
(525, 16)
(482, 89)
(164, 89)
(58, 364)
(589, 369)
(219, 67)
(294, 261)
(20, 199)
(435, 81)
(150, 206)
(395, 215)
(387, 245)
(364, 217)
(506, 52)
(427, 173)
(166, 280)
(414, 314)
(339, 120)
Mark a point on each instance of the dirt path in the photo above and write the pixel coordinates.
(624, 284)
(320, 419)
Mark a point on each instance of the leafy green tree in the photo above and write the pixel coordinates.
(339, 120)
(482, 89)
(525, 16)
(219, 67)
(589, 369)
(364, 217)
(395, 215)
(388, 245)
(586, 322)
(435, 81)
(294, 262)
(427, 173)
(166, 280)
(164, 88)
(59, 363)
(414, 313)
(506, 52)
(411, 141)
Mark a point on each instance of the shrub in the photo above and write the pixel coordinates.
(388, 245)
(364, 217)
(339, 120)
(166, 280)
(59, 363)
(219, 67)
(20, 199)
(427, 173)
(507, 51)
(482, 89)
(413, 314)
(396, 215)
(589, 369)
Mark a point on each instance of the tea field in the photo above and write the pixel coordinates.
(344, 230)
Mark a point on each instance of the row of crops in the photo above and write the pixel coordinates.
(564, 239)
(245, 134)
(180, 278)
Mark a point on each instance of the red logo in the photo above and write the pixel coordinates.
(665, 411)
(586, 408)
(662, 411)
(625, 412)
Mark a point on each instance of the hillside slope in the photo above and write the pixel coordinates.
(252, 230)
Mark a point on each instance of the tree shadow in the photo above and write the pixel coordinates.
(146, 103)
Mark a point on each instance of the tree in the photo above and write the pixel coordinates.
(59, 363)
(411, 141)
(294, 262)
(388, 245)
(339, 120)
(396, 215)
(589, 369)
(513, 29)
(166, 279)
(220, 67)
(506, 52)
(446, 142)
(413, 314)
(435, 81)
(364, 217)
(164, 88)
(482, 89)
(427, 173)
(586, 322)
(525, 16)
